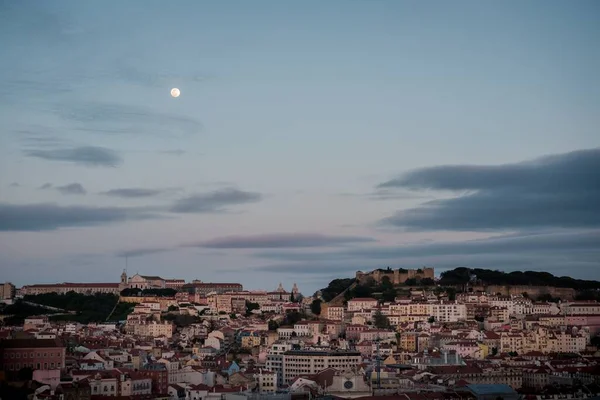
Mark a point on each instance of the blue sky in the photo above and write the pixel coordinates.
(310, 139)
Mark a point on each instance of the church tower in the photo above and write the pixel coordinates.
(295, 290)
(123, 283)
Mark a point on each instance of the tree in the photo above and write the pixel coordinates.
(25, 374)
(427, 282)
(315, 307)
(389, 295)
(595, 341)
(479, 318)
(494, 351)
(525, 295)
(251, 307)
(386, 283)
(232, 316)
(173, 308)
(273, 325)
(292, 299)
(380, 321)
(410, 282)
(292, 317)
(431, 320)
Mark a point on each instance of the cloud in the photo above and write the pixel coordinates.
(512, 244)
(216, 201)
(143, 251)
(73, 188)
(133, 193)
(558, 191)
(176, 152)
(90, 156)
(280, 240)
(576, 252)
(48, 216)
(15, 185)
(45, 186)
(110, 118)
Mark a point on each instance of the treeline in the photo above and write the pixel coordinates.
(336, 287)
(462, 276)
(148, 292)
(87, 308)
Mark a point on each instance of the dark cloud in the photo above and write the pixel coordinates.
(133, 192)
(90, 156)
(216, 201)
(143, 251)
(73, 188)
(122, 118)
(280, 240)
(559, 191)
(47, 216)
(15, 185)
(388, 194)
(575, 252)
(565, 242)
(45, 186)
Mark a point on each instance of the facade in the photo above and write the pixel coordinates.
(360, 304)
(38, 354)
(204, 289)
(310, 362)
(396, 276)
(63, 288)
(138, 281)
(7, 291)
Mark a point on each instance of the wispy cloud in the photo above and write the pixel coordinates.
(216, 201)
(72, 188)
(45, 186)
(280, 240)
(107, 118)
(48, 216)
(15, 185)
(90, 156)
(559, 191)
(132, 193)
(143, 251)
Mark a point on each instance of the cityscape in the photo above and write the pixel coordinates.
(299, 200)
(466, 334)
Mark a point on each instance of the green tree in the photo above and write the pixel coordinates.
(251, 307)
(315, 307)
(431, 319)
(292, 299)
(232, 316)
(173, 308)
(411, 282)
(273, 325)
(380, 321)
(427, 282)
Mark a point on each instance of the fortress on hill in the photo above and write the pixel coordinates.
(396, 276)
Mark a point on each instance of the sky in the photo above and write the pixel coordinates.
(311, 139)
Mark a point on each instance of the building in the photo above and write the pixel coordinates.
(154, 329)
(203, 289)
(38, 354)
(63, 288)
(138, 281)
(309, 362)
(174, 283)
(396, 276)
(362, 303)
(7, 291)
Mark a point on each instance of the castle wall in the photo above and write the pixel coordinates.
(532, 291)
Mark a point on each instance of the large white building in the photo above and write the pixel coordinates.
(310, 362)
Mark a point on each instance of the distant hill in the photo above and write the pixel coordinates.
(462, 276)
(459, 277)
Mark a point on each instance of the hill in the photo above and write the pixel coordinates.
(462, 276)
(77, 307)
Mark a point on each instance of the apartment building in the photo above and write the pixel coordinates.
(39, 354)
(310, 362)
(362, 303)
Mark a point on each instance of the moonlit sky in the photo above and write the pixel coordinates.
(311, 139)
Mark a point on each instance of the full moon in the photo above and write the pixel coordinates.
(175, 92)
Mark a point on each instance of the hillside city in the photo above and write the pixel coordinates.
(384, 334)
